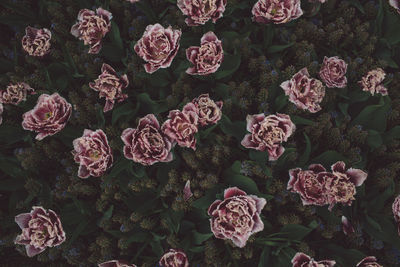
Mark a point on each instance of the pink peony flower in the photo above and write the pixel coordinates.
(147, 144)
(268, 133)
(181, 126)
(174, 258)
(48, 117)
(36, 42)
(15, 93)
(303, 260)
(236, 217)
(116, 263)
(395, 4)
(208, 57)
(187, 193)
(158, 46)
(40, 229)
(333, 72)
(92, 27)
(276, 11)
(201, 11)
(305, 92)
(396, 212)
(110, 86)
(209, 112)
(93, 153)
(373, 82)
(347, 227)
(369, 261)
(1, 112)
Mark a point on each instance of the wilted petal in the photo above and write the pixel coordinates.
(347, 227)
(187, 193)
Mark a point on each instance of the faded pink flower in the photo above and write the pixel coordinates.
(158, 46)
(93, 153)
(305, 92)
(209, 112)
(396, 212)
(92, 27)
(208, 57)
(187, 193)
(276, 11)
(1, 112)
(201, 11)
(373, 82)
(346, 226)
(110, 86)
(174, 258)
(116, 263)
(303, 260)
(15, 93)
(369, 261)
(36, 42)
(40, 229)
(268, 133)
(395, 4)
(333, 72)
(48, 117)
(147, 144)
(236, 217)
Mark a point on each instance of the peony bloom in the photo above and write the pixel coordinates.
(147, 144)
(303, 260)
(93, 153)
(201, 11)
(110, 86)
(187, 193)
(369, 261)
(372, 82)
(396, 212)
(40, 229)
(92, 27)
(48, 117)
(268, 133)
(181, 126)
(333, 72)
(36, 42)
(209, 112)
(174, 258)
(158, 46)
(305, 92)
(276, 11)
(208, 57)
(236, 217)
(15, 93)
(116, 263)
(1, 112)
(395, 4)
(347, 227)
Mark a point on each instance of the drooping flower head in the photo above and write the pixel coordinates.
(276, 11)
(174, 258)
(209, 112)
(373, 82)
(36, 42)
(369, 261)
(201, 11)
(303, 260)
(116, 263)
(15, 93)
(333, 72)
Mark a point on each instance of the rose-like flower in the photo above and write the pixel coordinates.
(373, 82)
(92, 27)
(1, 113)
(276, 11)
(209, 112)
(15, 93)
(110, 86)
(305, 92)
(158, 46)
(93, 153)
(174, 258)
(208, 57)
(201, 11)
(396, 212)
(48, 117)
(116, 263)
(181, 126)
(40, 229)
(268, 133)
(395, 4)
(333, 72)
(369, 261)
(147, 144)
(303, 260)
(187, 193)
(36, 42)
(346, 226)
(236, 217)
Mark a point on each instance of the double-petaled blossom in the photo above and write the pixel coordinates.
(116, 263)
(305, 92)
(207, 57)
(209, 111)
(36, 42)
(15, 93)
(147, 144)
(303, 260)
(110, 86)
(92, 27)
(201, 11)
(268, 133)
(158, 46)
(373, 82)
(395, 4)
(174, 258)
(48, 117)
(236, 217)
(333, 72)
(396, 212)
(276, 11)
(40, 229)
(93, 153)
(369, 261)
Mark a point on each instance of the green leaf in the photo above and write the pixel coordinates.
(245, 183)
(199, 238)
(357, 4)
(236, 129)
(374, 139)
(101, 121)
(10, 134)
(374, 116)
(280, 102)
(115, 36)
(229, 65)
(77, 232)
(264, 257)
(306, 154)
(59, 75)
(151, 106)
(301, 121)
(278, 48)
(328, 158)
(294, 231)
(11, 184)
(125, 110)
(351, 256)
(393, 133)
